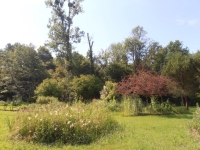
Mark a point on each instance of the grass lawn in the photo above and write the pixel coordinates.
(164, 132)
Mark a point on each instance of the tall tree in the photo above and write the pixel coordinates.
(181, 68)
(61, 33)
(136, 45)
(149, 60)
(90, 53)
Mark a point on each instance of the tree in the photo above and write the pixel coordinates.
(180, 67)
(61, 33)
(145, 84)
(90, 53)
(118, 53)
(116, 71)
(150, 60)
(46, 57)
(136, 45)
(22, 71)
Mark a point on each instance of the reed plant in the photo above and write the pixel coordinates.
(77, 123)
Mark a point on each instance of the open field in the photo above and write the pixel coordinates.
(164, 132)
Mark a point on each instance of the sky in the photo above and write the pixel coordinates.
(107, 21)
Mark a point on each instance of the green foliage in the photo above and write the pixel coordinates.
(113, 105)
(61, 32)
(194, 125)
(21, 72)
(46, 100)
(50, 87)
(109, 91)
(59, 122)
(116, 71)
(132, 106)
(87, 87)
(46, 57)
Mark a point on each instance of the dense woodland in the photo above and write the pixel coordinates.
(136, 65)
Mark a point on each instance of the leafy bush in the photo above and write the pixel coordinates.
(109, 91)
(55, 88)
(46, 100)
(87, 87)
(59, 122)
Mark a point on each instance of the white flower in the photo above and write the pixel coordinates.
(56, 113)
(36, 115)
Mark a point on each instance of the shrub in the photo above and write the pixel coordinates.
(59, 122)
(87, 87)
(109, 91)
(55, 88)
(46, 100)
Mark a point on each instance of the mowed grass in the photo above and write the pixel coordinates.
(163, 132)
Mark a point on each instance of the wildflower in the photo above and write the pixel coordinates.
(36, 115)
(68, 122)
(41, 119)
(56, 113)
(50, 113)
(72, 125)
(29, 118)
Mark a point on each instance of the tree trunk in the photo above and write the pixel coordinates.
(147, 100)
(186, 102)
(161, 99)
(182, 101)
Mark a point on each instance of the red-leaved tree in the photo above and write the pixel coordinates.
(144, 83)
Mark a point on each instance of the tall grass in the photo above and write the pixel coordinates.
(135, 106)
(62, 123)
(194, 125)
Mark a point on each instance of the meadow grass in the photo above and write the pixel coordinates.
(161, 132)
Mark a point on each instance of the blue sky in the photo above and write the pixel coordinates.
(107, 21)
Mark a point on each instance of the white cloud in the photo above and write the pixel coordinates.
(188, 22)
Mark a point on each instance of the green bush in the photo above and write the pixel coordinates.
(46, 100)
(56, 88)
(109, 91)
(76, 124)
(87, 87)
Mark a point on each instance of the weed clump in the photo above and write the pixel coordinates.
(194, 125)
(46, 99)
(68, 124)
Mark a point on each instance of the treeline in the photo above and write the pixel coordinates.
(137, 64)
